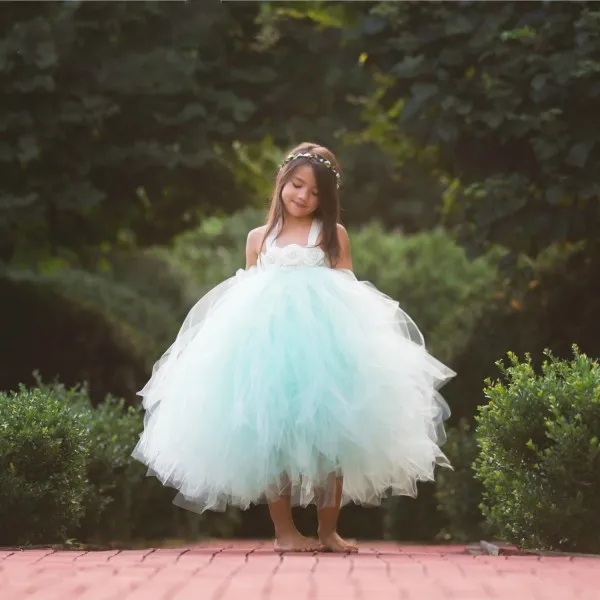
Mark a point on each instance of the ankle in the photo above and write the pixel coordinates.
(324, 532)
(286, 532)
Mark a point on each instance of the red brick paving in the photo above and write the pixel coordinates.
(252, 571)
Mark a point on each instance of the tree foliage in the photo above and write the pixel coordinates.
(119, 121)
(113, 118)
(509, 93)
(386, 175)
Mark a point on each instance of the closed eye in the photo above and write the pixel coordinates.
(300, 184)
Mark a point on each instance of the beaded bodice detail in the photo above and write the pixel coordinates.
(294, 255)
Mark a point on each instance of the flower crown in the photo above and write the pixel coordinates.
(318, 158)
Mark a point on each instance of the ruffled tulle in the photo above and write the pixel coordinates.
(281, 379)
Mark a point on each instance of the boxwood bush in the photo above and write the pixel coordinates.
(539, 459)
(66, 472)
(43, 449)
(112, 475)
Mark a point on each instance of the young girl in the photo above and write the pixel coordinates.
(292, 382)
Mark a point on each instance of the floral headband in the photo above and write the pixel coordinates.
(318, 158)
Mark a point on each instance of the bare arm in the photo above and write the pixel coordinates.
(252, 247)
(345, 260)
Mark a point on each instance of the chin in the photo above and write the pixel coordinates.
(296, 211)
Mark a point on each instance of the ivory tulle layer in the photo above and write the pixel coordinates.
(281, 379)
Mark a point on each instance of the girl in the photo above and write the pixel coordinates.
(292, 382)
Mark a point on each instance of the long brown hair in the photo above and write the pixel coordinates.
(328, 210)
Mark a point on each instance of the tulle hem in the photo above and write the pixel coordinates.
(301, 492)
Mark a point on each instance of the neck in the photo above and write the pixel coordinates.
(290, 220)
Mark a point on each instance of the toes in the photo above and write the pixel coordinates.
(299, 546)
(340, 547)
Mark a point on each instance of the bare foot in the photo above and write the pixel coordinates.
(295, 542)
(334, 543)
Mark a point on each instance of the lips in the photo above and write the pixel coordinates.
(298, 204)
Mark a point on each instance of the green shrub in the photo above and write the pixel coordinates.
(43, 446)
(122, 503)
(433, 280)
(217, 248)
(82, 327)
(458, 493)
(148, 323)
(153, 274)
(530, 310)
(539, 459)
(112, 499)
(112, 475)
(44, 328)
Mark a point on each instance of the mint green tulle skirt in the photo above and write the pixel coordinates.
(282, 379)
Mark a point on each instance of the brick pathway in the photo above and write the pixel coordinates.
(252, 571)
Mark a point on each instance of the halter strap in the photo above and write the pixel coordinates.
(270, 240)
(315, 230)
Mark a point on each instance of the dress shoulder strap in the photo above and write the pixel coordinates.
(315, 231)
(270, 239)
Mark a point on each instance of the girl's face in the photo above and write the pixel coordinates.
(299, 194)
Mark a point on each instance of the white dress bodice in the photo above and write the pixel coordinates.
(294, 255)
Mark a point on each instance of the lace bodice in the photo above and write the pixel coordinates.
(294, 255)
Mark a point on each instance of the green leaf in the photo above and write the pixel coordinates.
(539, 81)
(493, 119)
(373, 25)
(458, 25)
(409, 67)
(447, 131)
(451, 57)
(578, 154)
(424, 91)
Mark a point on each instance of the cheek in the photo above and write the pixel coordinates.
(286, 191)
